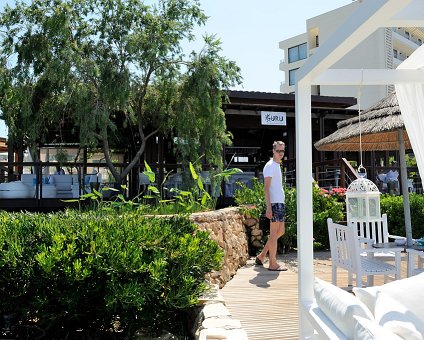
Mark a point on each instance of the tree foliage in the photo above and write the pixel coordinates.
(104, 65)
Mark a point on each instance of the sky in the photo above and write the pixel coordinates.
(250, 31)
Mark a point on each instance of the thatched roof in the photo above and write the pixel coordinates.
(378, 126)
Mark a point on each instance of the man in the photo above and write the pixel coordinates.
(275, 209)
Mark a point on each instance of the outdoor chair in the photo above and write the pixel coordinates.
(29, 179)
(143, 182)
(413, 255)
(346, 254)
(377, 230)
(381, 181)
(63, 184)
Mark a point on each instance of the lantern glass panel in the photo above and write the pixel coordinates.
(373, 208)
(356, 207)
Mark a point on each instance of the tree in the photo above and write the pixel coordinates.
(100, 63)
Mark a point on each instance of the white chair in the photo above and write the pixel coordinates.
(144, 183)
(174, 181)
(63, 185)
(75, 187)
(378, 231)
(206, 180)
(28, 179)
(415, 257)
(345, 254)
(92, 181)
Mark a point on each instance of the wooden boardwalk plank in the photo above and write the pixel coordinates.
(266, 303)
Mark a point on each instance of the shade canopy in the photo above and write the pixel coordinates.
(378, 127)
(370, 15)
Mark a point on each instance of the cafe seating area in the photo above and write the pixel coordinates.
(65, 186)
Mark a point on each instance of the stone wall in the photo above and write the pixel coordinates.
(254, 233)
(236, 234)
(227, 228)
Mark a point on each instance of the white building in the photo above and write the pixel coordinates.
(384, 49)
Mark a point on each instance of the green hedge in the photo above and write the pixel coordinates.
(325, 205)
(97, 269)
(393, 207)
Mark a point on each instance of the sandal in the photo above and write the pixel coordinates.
(278, 269)
(258, 262)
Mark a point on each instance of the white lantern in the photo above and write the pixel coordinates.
(362, 200)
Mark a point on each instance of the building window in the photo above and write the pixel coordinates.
(298, 52)
(292, 77)
(407, 34)
(395, 53)
(420, 42)
(316, 41)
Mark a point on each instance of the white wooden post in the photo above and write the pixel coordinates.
(304, 204)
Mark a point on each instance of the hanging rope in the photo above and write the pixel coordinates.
(361, 170)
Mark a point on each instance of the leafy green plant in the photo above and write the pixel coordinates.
(392, 205)
(325, 205)
(62, 156)
(92, 270)
(411, 161)
(195, 198)
(251, 201)
(95, 199)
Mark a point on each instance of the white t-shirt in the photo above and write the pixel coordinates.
(276, 191)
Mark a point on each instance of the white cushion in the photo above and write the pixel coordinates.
(394, 316)
(369, 330)
(367, 296)
(62, 182)
(413, 300)
(339, 306)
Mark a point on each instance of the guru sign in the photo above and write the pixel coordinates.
(273, 118)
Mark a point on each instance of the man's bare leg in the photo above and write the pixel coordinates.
(272, 247)
(280, 232)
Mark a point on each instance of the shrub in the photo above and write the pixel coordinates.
(393, 207)
(193, 199)
(97, 269)
(252, 200)
(325, 205)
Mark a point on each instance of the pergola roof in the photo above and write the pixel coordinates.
(288, 100)
(368, 17)
(239, 101)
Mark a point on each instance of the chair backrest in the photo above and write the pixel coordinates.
(375, 229)
(28, 179)
(62, 182)
(344, 245)
(75, 179)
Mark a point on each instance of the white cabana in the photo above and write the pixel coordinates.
(408, 78)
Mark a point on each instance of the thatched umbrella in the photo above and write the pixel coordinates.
(380, 128)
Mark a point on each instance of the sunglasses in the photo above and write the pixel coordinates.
(279, 151)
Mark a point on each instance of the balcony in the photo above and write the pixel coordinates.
(401, 37)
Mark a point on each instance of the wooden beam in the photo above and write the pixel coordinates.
(369, 16)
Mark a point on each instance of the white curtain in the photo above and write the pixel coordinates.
(411, 103)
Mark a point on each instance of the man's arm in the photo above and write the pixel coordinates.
(267, 186)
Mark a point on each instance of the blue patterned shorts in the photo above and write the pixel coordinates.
(278, 212)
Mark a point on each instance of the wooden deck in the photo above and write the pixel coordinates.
(266, 302)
